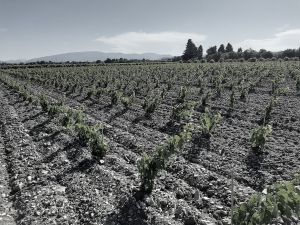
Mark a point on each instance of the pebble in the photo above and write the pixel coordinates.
(45, 172)
(29, 178)
(226, 221)
(197, 195)
(149, 201)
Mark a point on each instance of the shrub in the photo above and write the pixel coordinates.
(149, 106)
(243, 96)
(279, 202)
(182, 111)
(269, 109)
(149, 166)
(90, 93)
(251, 88)
(259, 137)
(77, 116)
(126, 101)
(252, 59)
(200, 82)
(66, 120)
(84, 133)
(98, 145)
(206, 99)
(44, 103)
(182, 95)
(114, 97)
(162, 93)
(209, 122)
(71, 117)
(54, 110)
(231, 100)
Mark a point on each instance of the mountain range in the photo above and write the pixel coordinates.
(91, 56)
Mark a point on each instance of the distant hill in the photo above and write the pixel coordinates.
(93, 56)
(14, 61)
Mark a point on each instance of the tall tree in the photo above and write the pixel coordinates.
(190, 50)
(229, 48)
(221, 49)
(200, 52)
(211, 50)
(240, 50)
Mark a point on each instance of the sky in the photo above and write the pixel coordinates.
(34, 28)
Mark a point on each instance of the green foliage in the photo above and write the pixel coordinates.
(54, 110)
(209, 122)
(182, 95)
(71, 117)
(66, 120)
(84, 133)
(269, 109)
(190, 51)
(114, 97)
(98, 145)
(126, 101)
(243, 96)
(182, 111)
(44, 103)
(231, 100)
(149, 166)
(206, 99)
(77, 116)
(259, 137)
(149, 106)
(276, 84)
(229, 48)
(279, 202)
(90, 135)
(90, 93)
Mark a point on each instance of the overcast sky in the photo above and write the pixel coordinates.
(33, 28)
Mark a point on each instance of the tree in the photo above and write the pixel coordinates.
(289, 53)
(265, 54)
(229, 48)
(200, 52)
(221, 49)
(249, 53)
(211, 50)
(108, 60)
(190, 50)
(240, 50)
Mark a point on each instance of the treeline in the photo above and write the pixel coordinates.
(222, 53)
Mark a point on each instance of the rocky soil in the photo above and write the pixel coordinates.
(47, 177)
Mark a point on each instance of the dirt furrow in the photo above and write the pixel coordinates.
(7, 211)
(36, 200)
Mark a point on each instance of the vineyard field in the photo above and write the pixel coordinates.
(75, 140)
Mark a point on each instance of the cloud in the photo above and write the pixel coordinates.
(283, 27)
(279, 41)
(140, 42)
